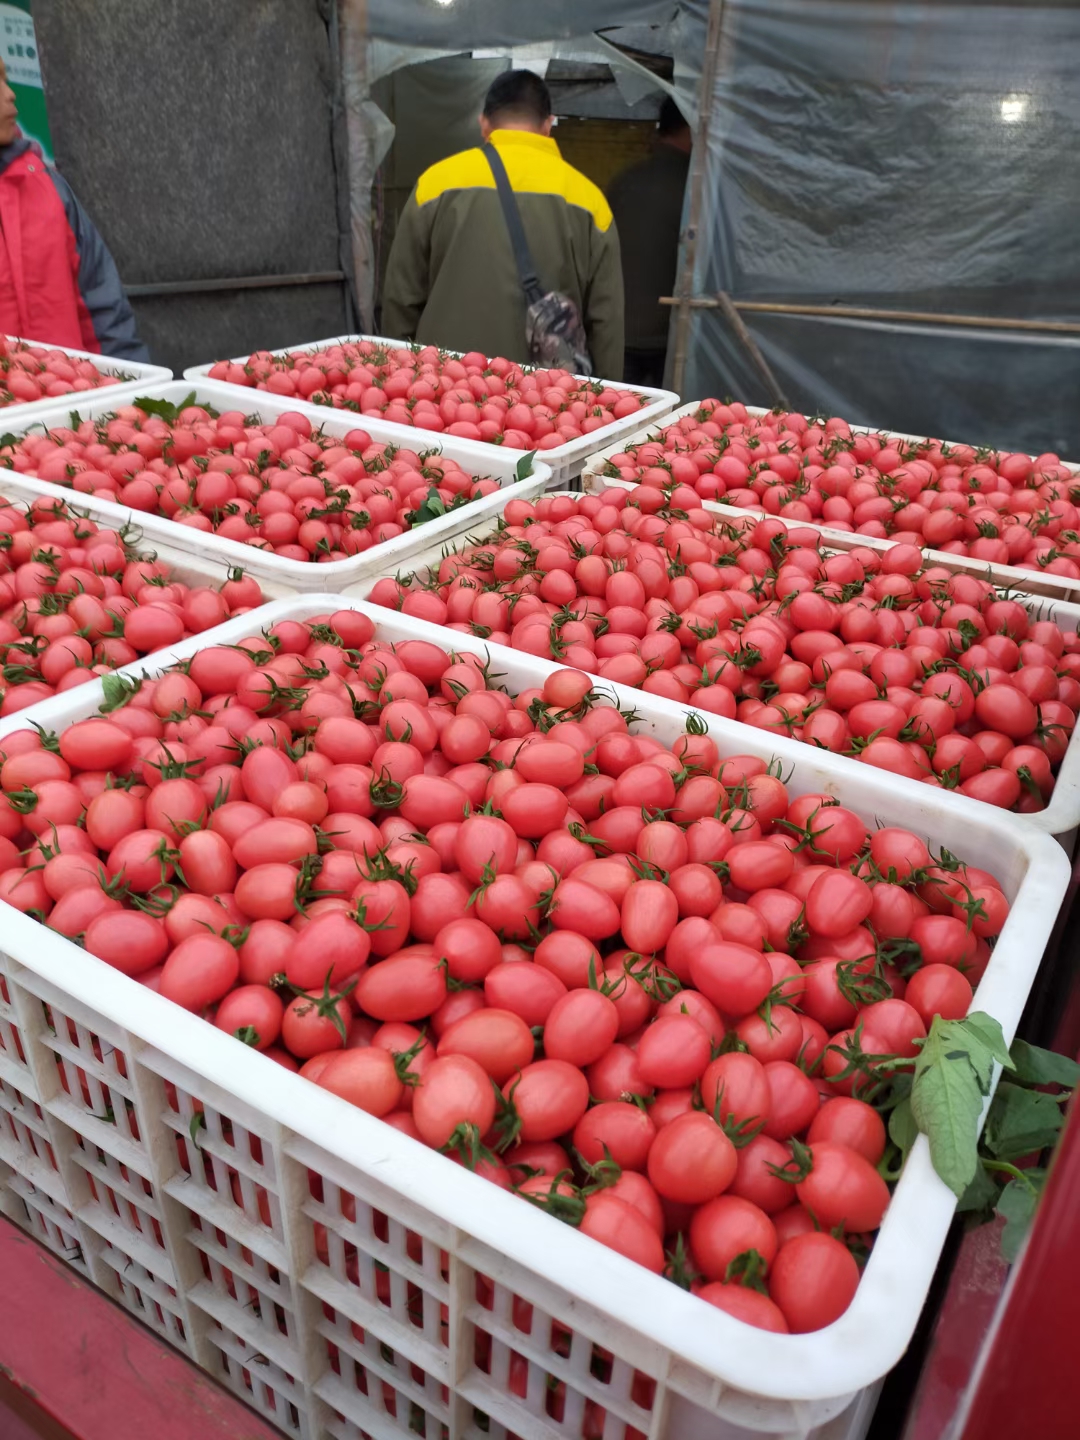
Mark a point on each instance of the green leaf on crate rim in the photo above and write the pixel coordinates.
(1021, 1122)
(8, 439)
(431, 509)
(524, 467)
(167, 410)
(990, 1034)
(953, 1074)
(1018, 1203)
(118, 691)
(1035, 1066)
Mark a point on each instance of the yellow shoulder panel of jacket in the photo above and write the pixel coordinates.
(532, 171)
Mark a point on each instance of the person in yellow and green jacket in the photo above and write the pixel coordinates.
(451, 279)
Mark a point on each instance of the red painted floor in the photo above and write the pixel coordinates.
(118, 1381)
(12, 1428)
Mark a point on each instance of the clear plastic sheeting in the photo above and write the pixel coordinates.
(901, 157)
(456, 25)
(984, 387)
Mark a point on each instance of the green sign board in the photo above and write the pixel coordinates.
(18, 47)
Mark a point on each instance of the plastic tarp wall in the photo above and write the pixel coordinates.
(201, 138)
(901, 157)
(473, 24)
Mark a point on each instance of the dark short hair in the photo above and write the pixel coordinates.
(520, 93)
(671, 118)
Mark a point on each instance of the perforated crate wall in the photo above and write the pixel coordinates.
(328, 1302)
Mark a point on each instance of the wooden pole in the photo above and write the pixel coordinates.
(353, 49)
(698, 176)
(852, 312)
(731, 315)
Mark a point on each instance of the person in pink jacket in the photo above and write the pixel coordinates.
(58, 282)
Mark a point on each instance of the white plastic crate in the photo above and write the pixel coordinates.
(405, 1312)
(1060, 817)
(137, 377)
(192, 569)
(1010, 577)
(277, 574)
(566, 461)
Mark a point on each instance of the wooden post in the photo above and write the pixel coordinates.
(722, 301)
(698, 176)
(353, 50)
(742, 334)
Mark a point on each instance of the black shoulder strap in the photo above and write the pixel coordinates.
(530, 282)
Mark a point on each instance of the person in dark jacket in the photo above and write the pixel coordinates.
(451, 279)
(647, 202)
(58, 282)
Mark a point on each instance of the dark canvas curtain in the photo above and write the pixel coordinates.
(213, 155)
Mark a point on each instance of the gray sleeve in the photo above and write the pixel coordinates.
(99, 283)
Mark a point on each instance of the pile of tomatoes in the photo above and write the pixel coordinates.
(471, 396)
(77, 601)
(907, 667)
(1006, 509)
(645, 987)
(34, 372)
(278, 485)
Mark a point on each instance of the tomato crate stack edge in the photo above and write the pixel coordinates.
(497, 475)
(367, 352)
(1007, 572)
(42, 367)
(604, 622)
(342, 1278)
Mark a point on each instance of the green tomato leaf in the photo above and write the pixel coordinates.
(953, 1075)
(989, 1033)
(1018, 1204)
(524, 467)
(167, 409)
(1034, 1066)
(903, 1131)
(1021, 1122)
(198, 1122)
(981, 1195)
(431, 509)
(118, 691)
(946, 1101)
(8, 439)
